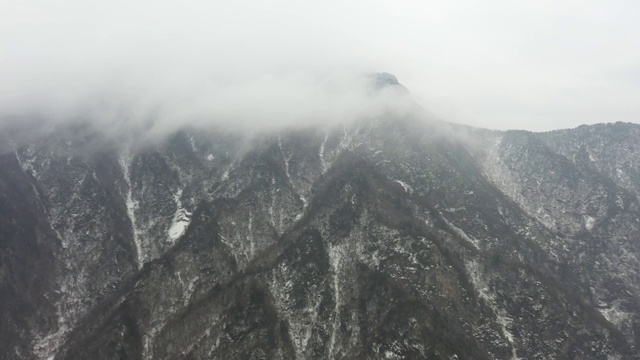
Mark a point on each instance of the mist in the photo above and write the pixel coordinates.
(260, 65)
(267, 102)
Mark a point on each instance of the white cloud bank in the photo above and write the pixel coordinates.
(495, 63)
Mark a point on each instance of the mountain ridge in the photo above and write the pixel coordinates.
(468, 243)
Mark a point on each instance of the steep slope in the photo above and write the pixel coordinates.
(597, 221)
(28, 246)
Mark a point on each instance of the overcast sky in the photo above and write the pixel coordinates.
(499, 64)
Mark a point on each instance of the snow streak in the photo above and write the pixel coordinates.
(132, 205)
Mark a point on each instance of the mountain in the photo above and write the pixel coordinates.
(390, 237)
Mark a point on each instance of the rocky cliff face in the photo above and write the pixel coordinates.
(386, 238)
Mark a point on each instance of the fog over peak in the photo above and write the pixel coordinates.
(494, 64)
(147, 111)
(159, 107)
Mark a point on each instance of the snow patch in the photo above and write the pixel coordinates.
(147, 350)
(391, 355)
(210, 157)
(615, 315)
(271, 212)
(132, 206)
(305, 204)
(321, 154)
(252, 244)
(481, 286)
(189, 291)
(225, 175)
(346, 140)
(27, 165)
(461, 233)
(181, 219)
(286, 160)
(405, 186)
(44, 346)
(589, 222)
(335, 257)
(193, 144)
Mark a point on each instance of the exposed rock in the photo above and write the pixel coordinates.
(386, 238)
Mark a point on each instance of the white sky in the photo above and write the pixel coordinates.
(501, 64)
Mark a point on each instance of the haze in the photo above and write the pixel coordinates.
(495, 64)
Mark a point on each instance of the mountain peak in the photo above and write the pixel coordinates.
(383, 79)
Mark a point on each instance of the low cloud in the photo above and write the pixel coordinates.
(258, 64)
(127, 67)
(160, 106)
